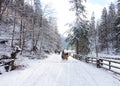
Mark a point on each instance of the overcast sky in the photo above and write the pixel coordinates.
(64, 16)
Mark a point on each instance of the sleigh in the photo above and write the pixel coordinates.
(64, 56)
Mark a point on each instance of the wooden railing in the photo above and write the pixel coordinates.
(109, 64)
(7, 63)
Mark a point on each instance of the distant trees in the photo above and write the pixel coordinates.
(88, 37)
(108, 30)
(3, 6)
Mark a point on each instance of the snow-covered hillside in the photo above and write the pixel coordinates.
(24, 26)
(54, 71)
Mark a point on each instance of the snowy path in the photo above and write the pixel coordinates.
(56, 72)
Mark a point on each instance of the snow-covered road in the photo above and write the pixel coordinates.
(53, 71)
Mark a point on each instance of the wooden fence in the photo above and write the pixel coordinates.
(109, 64)
(6, 63)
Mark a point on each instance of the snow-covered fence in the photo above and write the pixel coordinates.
(6, 63)
(110, 58)
(110, 65)
(77, 56)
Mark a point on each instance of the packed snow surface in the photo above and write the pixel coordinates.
(54, 71)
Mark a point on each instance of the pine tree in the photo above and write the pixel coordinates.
(79, 35)
(117, 28)
(111, 26)
(92, 33)
(103, 32)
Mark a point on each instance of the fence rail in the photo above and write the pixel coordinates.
(6, 63)
(109, 64)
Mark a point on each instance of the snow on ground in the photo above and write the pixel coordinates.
(54, 71)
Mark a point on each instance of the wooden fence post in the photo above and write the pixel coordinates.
(7, 66)
(101, 62)
(98, 63)
(109, 65)
(92, 60)
(87, 59)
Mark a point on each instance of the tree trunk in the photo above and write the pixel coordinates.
(40, 31)
(23, 37)
(13, 30)
(0, 10)
(20, 38)
(33, 34)
(77, 47)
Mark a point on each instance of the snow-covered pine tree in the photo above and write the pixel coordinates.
(117, 28)
(79, 36)
(111, 26)
(103, 31)
(92, 34)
